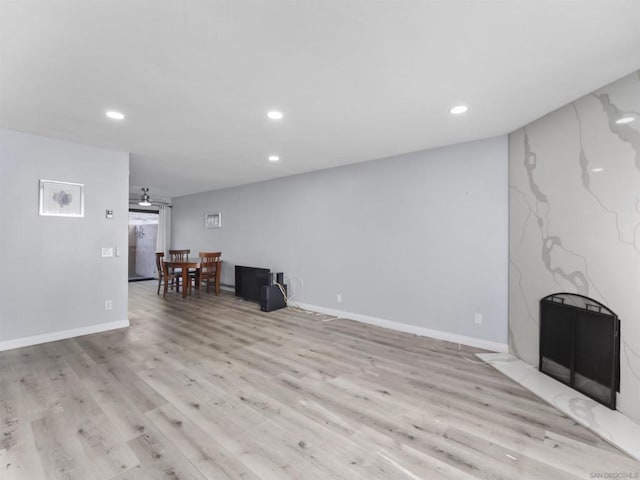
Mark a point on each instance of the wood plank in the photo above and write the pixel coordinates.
(213, 388)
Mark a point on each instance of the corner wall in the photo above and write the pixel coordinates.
(419, 240)
(55, 282)
(575, 219)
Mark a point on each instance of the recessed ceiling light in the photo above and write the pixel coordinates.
(115, 115)
(458, 109)
(599, 169)
(275, 115)
(623, 120)
(274, 158)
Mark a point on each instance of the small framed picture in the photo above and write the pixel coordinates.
(61, 199)
(213, 220)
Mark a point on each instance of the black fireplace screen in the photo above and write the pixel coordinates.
(580, 345)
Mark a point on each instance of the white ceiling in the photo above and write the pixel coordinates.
(356, 80)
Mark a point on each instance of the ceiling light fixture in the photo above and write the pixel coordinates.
(275, 115)
(623, 120)
(458, 109)
(274, 158)
(115, 115)
(145, 200)
(599, 169)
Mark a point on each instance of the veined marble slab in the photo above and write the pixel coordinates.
(574, 219)
(611, 425)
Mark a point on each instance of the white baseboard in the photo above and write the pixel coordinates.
(62, 334)
(404, 327)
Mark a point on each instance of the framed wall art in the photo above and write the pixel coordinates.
(61, 199)
(213, 220)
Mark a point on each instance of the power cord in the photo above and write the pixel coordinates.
(284, 293)
(288, 281)
(291, 289)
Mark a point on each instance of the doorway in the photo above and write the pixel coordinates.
(143, 231)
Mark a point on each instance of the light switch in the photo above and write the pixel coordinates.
(107, 251)
(117, 251)
(109, 214)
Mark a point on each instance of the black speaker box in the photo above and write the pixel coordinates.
(272, 298)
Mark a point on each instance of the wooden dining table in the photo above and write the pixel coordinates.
(185, 265)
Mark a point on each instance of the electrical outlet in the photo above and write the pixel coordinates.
(339, 298)
(108, 304)
(478, 318)
(107, 251)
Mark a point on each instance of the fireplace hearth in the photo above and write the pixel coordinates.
(580, 345)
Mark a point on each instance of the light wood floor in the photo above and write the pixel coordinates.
(213, 388)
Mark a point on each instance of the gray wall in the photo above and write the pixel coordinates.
(575, 220)
(419, 239)
(54, 278)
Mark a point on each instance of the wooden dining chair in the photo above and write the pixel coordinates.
(175, 280)
(178, 255)
(159, 269)
(168, 276)
(210, 268)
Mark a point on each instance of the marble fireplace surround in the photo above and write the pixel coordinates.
(611, 425)
(574, 221)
